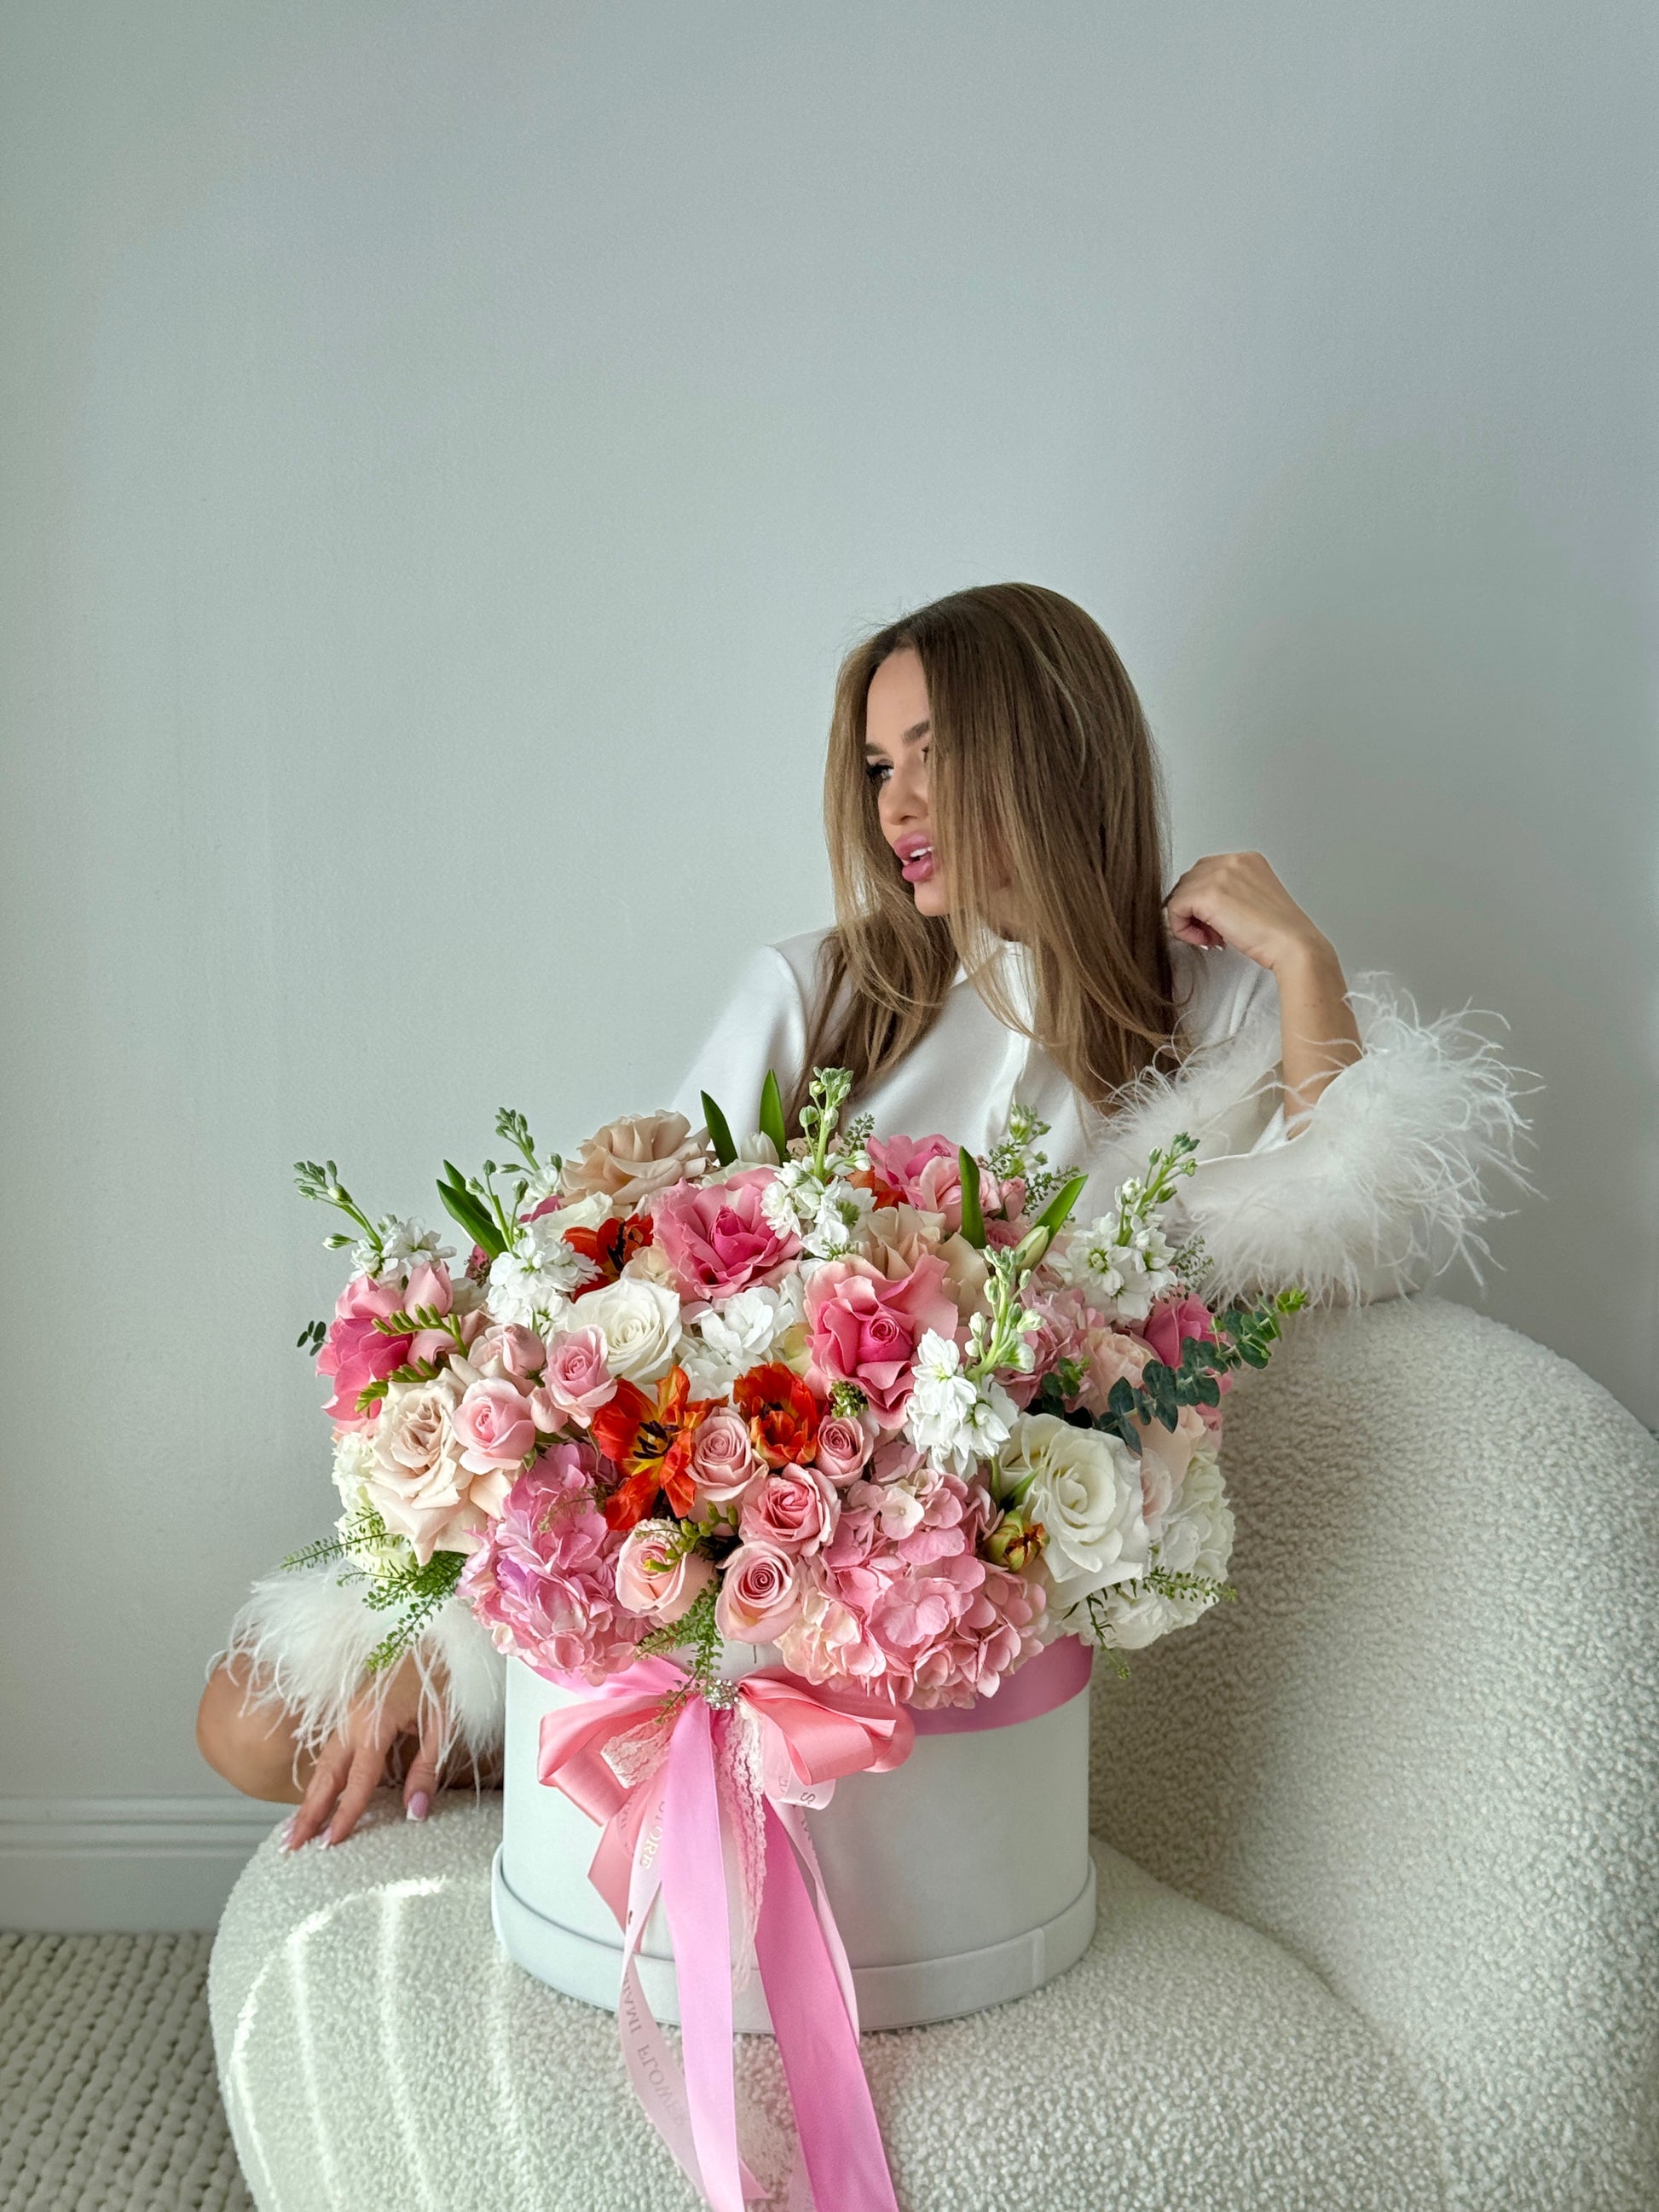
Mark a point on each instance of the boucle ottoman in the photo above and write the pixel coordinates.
(1376, 1849)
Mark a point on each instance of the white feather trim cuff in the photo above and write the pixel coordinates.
(1380, 1186)
(306, 1638)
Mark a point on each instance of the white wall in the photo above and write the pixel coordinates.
(446, 453)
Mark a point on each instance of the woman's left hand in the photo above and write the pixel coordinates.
(1235, 898)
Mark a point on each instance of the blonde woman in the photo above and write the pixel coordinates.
(994, 814)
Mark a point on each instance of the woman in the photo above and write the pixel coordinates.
(995, 815)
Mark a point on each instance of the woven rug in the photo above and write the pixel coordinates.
(108, 2098)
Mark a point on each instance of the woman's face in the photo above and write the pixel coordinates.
(896, 735)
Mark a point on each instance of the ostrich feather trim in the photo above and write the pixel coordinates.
(306, 1638)
(1373, 1190)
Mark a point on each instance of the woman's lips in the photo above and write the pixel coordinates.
(918, 864)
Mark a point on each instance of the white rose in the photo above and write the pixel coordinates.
(1083, 1485)
(640, 1321)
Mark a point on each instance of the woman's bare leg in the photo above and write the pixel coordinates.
(252, 1748)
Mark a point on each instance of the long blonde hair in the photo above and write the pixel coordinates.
(1040, 755)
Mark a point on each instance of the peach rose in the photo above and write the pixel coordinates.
(631, 1159)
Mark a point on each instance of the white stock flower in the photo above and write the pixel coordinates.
(1083, 1485)
(840, 1210)
(1122, 1280)
(952, 1420)
(403, 1245)
(640, 1321)
(537, 1273)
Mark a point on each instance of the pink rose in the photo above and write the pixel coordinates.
(865, 1329)
(723, 1460)
(718, 1241)
(927, 1170)
(576, 1382)
(357, 1353)
(843, 1447)
(654, 1577)
(494, 1426)
(796, 1509)
(761, 1594)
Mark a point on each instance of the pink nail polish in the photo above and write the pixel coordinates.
(418, 1807)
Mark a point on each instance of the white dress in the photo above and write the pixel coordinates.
(1383, 1184)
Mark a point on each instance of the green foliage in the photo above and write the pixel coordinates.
(771, 1114)
(424, 1589)
(697, 1630)
(466, 1209)
(973, 1217)
(512, 1128)
(719, 1132)
(312, 1336)
(1055, 1214)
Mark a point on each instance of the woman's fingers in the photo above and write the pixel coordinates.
(421, 1783)
(327, 1778)
(364, 1779)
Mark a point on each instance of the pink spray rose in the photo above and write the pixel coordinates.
(354, 1353)
(795, 1508)
(717, 1240)
(576, 1382)
(863, 1329)
(723, 1460)
(494, 1425)
(544, 1583)
(655, 1577)
(760, 1592)
(417, 1482)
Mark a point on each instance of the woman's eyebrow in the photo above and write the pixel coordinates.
(917, 730)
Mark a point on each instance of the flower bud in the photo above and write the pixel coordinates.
(1011, 1544)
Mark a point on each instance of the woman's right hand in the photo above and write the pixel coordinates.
(351, 1764)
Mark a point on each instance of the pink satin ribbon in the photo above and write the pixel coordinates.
(662, 1831)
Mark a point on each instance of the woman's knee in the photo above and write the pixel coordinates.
(252, 1747)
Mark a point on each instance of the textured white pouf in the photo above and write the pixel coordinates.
(1389, 1943)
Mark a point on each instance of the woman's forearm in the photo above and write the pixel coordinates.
(1320, 1034)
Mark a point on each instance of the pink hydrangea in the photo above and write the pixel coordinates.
(544, 1583)
(1063, 1317)
(900, 1602)
(717, 1239)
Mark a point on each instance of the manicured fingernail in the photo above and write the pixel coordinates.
(324, 1839)
(419, 1806)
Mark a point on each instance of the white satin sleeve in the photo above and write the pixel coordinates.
(762, 1025)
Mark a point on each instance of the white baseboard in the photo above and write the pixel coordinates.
(78, 1864)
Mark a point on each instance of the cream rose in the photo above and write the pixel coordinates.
(640, 1321)
(1083, 1485)
(895, 1237)
(630, 1158)
(417, 1482)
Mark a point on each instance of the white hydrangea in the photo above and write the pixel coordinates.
(737, 1334)
(354, 1456)
(1197, 1540)
(951, 1418)
(532, 1279)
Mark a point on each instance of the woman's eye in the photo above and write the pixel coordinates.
(874, 770)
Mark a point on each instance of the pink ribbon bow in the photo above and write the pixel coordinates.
(655, 1789)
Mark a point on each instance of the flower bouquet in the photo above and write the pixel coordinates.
(875, 1405)
(876, 1402)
